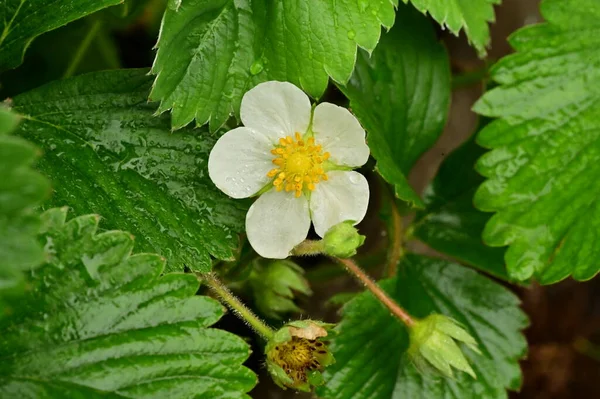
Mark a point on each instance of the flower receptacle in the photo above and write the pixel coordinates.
(297, 354)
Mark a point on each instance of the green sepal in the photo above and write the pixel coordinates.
(433, 345)
(274, 285)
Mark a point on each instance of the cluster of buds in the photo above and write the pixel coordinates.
(297, 354)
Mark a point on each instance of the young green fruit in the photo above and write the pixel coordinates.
(297, 354)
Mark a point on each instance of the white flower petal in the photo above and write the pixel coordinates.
(276, 223)
(344, 196)
(239, 162)
(277, 109)
(340, 134)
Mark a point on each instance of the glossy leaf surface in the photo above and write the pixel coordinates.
(450, 223)
(401, 95)
(108, 154)
(545, 160)
(370, 347)
(100, 322)
(210, 52)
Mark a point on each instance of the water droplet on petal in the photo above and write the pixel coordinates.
(354, 178)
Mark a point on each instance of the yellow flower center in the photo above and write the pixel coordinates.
(299, 164)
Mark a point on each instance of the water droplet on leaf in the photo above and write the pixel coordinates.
(257, 67)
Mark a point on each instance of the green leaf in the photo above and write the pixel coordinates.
(370, 345)
(24, 20)
(102, 322)
(471, 15)
(545, 163)
(401, 95)
(21, 189)
(450, 223)
(210, 52)
(110, 156)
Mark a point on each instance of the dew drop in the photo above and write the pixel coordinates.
(354, 178)
(351, 34)
(257, 67)
(174, 4)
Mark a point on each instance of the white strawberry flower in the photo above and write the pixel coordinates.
(299, 159)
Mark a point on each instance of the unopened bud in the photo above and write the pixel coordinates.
(342, 240)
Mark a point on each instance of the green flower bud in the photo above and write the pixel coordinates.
(297, 354)
(433, 345)
(342, 240)
(274, 284)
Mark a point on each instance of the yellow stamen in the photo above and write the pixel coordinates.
(299, 164)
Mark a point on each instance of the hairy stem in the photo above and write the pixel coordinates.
(236, 305)
(388, 302)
